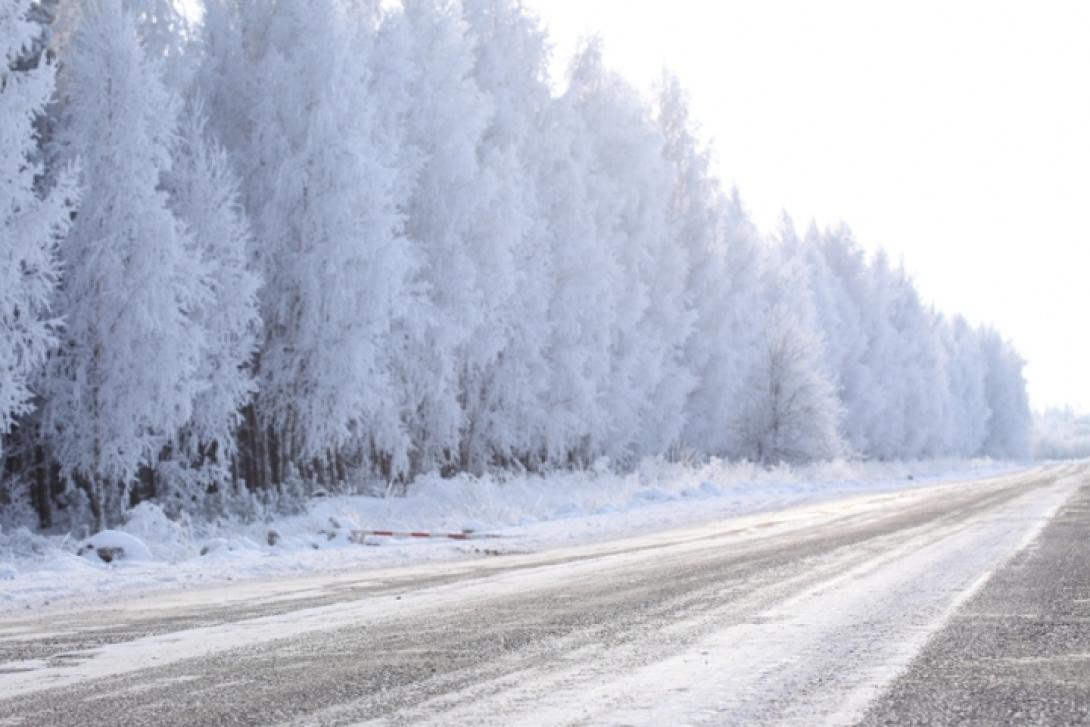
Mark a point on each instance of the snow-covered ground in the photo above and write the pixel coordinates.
(529, 513)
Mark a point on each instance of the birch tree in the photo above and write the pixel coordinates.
(125, 376)
(30, 223)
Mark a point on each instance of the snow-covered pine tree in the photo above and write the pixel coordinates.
(125, 376)
(30, 224)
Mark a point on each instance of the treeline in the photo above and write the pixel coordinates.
(1061, 434)
(320, 241)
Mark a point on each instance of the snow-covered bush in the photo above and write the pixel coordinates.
(114, 546)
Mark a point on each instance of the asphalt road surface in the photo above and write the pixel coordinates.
(954, 604)
(1016, 653)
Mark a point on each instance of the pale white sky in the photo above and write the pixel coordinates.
(954, 133)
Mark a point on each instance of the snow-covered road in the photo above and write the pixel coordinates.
(797, 617)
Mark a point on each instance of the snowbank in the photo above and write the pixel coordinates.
(113, 546)
(530, 512)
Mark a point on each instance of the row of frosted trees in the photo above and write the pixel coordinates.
(324, 241)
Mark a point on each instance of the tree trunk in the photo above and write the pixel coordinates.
(97, 510)
(42, 496)
(274, 458)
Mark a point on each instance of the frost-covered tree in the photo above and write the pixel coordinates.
(629, 187)
(583, 287)
(925, 376)
(734, 324)
(880, 406)
(723, 282)
(969, 411)
(30, 223)
(293, 103)
(789, 409)
(1011, 422)
(842, 299)
(505, 385)
(165, 36)
(124, 379)
(204, 197)
(443, 117)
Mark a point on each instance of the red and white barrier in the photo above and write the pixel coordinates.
(360, 534)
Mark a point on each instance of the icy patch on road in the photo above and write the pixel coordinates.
(529, 512)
